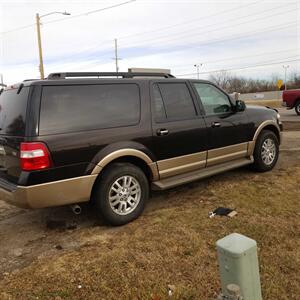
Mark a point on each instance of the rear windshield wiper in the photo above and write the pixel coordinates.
(20, 88)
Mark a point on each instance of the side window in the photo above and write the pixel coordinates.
(177, 101)
(159, 108)
(83, 107)
(213, 100)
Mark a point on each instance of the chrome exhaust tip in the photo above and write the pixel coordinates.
(76, 209)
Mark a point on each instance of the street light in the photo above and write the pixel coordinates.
(38, 26)
(285, 68)
(198, 68)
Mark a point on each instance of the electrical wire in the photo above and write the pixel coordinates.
(241, 68)
(179, 34)
(237, 57)
(71, 17)
(191, 21)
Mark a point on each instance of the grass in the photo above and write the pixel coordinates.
(271, 103)
(173, 243)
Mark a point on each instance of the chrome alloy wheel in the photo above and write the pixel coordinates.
(268, 152)
(298, 108)
(124, 195)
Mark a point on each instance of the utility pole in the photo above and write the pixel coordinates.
(116, 56)
(38, 27)
(198, 68)
(285, 69)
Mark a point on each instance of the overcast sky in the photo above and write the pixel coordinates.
(232, 35)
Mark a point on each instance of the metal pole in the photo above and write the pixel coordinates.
(38, 26)
(285, 78)
(198, 69)
(285, 69)
(116, 55)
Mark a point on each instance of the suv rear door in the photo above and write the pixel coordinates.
(13, 107)
(228, 131)
(179, 132)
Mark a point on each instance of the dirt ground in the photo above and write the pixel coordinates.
(54, 254)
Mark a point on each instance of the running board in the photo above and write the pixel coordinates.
(173, 181)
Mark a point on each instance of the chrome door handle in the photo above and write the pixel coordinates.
(215, 124)
(161, 132)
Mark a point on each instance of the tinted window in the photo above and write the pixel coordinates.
(83, 107)
(213, 100)
(177, 101)
(13, 111)
(159, 108)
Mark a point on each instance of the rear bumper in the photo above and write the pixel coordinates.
(56, 193)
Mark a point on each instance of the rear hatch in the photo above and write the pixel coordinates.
(13, 106)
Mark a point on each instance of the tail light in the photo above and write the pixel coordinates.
(34, 156)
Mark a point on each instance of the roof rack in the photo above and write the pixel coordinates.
(31, 79)
(107, 74)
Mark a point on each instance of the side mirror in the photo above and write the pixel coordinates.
(240, 105)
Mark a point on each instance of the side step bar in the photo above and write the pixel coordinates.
(199, 174)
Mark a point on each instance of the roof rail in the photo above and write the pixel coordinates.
(107, 74)
(32, 79)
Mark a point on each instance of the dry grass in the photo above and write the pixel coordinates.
(174, 243)
(271, 103)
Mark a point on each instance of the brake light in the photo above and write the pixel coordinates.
(34, 156)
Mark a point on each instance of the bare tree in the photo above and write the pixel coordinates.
(221, 79)
(233, 83)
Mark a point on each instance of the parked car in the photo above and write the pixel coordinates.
(71, 139)
(291, 99)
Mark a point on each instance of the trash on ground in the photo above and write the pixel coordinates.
(222, 211)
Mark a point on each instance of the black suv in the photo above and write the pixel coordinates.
(110, 137)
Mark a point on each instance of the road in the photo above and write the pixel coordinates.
(288, 115)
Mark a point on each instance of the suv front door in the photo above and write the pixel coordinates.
(228, 131)
(179, 131)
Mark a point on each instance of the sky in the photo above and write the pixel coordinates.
(248, 38)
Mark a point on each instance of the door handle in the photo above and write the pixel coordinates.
(161, 132)
(215, 124)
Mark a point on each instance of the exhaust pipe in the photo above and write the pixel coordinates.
(76, 209)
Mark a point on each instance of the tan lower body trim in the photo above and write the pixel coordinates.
(181, 164)
(224, 154)
(62, 192)
(251, 147)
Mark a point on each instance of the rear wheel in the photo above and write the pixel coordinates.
(121, 193)
(266, 151)
(297, 108)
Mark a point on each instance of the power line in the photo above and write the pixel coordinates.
(238, 57)
(189, 22)
(106, 42)
(241, 68)
(90, 12)
(236, 37)
(178, 34)
(68, 18)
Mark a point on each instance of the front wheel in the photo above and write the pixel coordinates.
(266, 151)
(121, 193)
(297, 108)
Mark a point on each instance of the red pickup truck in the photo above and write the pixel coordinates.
(291, 99)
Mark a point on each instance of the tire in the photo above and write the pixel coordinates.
(297, 108)
(266, 151)
(121, 193)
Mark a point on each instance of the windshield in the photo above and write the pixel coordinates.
(13, 111)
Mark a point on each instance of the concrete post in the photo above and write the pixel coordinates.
(238, 266)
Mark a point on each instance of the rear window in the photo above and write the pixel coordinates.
(84, 107)
(13, 111)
